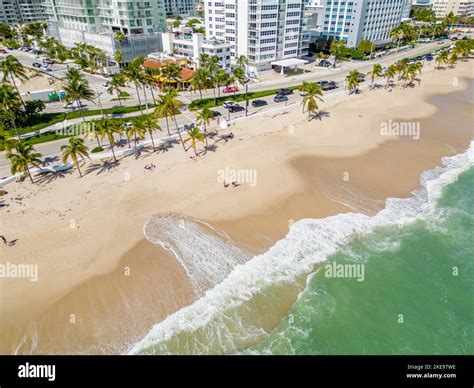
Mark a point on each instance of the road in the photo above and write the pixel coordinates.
(337, 74)
(51, 150)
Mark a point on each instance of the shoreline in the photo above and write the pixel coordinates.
(303, 163)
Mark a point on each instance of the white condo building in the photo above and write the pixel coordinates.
(192, 45)
(96, 22)
(457, 7)
(262, 30)
(180, 7)
(21, 11)
(355, 20)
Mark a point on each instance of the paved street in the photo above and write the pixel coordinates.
(51, 150)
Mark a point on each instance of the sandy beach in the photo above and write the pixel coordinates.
(101, 285)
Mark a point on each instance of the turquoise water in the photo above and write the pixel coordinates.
(423, 270)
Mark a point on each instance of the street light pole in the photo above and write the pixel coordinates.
(246, 81)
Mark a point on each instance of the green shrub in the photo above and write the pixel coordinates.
(97, 149)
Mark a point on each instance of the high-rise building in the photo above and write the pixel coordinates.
(442, 8)
(262, 30)
(21, 11)
(97, 21)
(180, 7)
(372, 20)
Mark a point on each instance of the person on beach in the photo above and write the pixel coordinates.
(8, 244)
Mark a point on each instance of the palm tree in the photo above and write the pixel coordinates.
(108, 128)
(172, 105)
(375, 73)
(313, 93)
(11, 67)
(239, 76)
(167, 107)
(24, 155)
(75, 149)
(353, 80)
(117, 82)
(9, 103)
(453, 59)
(401, 66)
(203, 60)
(73, 74)
(119, 36)
(390, 73)
(336, 48)
(221, 78)
(78, 89)
(442, 58)
(118, 57)
(133, 74)
(150, 125)
(200, 80)
(170, 74)
(204, 118)
(242, 61)
(6, 143)
(194, 137)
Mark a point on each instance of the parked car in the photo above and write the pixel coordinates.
(329, 85)
(429, 57)
(2, 51)
(75, 66)
(45, 68)
(236, 108)
(48, 61)
(228, 104)
(361, 77)
(230, 89)
(285, 92)
(324, 63)
(453, 38)
(419, 58)
(215, 113)
(280, 98)
(106, 85)
(257, 103)
(36, 64)
(73, 105)
(303, 93)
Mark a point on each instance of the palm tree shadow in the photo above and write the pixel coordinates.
(210, 147)
(49, 160)
(101, 167)
(320, 114)
(166, 146)
(48, 177)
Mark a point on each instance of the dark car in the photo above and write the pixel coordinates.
(36, 64)
(216, 113)
(429, 57)
(361, 77)
(257, 103)
(284, 92)
(454, 38)
(236, 108)
(324, 63)
(419, 58)
(329, 85)
(280, 98)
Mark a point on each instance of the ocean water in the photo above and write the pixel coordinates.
(413, 294)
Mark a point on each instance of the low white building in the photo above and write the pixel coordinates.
(193, 45)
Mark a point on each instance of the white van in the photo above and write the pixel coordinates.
(73, 105)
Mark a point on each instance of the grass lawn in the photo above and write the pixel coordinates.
(47, 119)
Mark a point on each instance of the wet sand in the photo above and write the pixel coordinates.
(86, 301)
